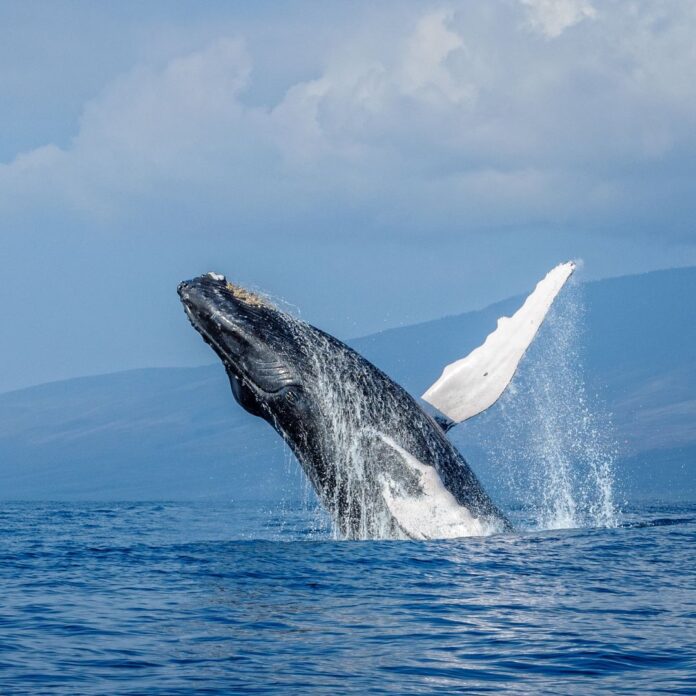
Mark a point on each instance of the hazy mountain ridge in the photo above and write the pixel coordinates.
(177, 433)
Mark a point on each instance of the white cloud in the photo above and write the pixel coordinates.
(553, 17)
(146, 128)
(424, 67)
(454, 119)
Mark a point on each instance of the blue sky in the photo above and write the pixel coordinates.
(372, 164)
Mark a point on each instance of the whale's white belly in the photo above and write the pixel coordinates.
(434, 512)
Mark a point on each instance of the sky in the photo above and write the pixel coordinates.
(368, 164)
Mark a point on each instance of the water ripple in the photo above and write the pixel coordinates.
(174, 598)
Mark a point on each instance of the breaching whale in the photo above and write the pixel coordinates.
(380, 463)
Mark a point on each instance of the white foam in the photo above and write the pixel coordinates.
(216, 276)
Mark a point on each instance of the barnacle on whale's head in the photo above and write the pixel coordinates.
(247, 296)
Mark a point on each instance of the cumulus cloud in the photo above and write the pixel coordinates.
(460, 118)
(553, 17)
(145, 129)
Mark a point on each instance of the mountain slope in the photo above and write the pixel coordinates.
(177, 433)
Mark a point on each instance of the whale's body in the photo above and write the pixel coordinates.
(381, 465)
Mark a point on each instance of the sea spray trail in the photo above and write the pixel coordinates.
(550, 442)
(554, 449)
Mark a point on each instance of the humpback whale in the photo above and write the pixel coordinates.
(380, 461)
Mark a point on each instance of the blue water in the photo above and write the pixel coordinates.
(179, 598)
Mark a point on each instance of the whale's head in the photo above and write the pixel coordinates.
(254, 340)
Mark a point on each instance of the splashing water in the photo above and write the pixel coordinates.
(364, 453)
(552, 446)
(347, 438)
(344, 437)
(555, 448)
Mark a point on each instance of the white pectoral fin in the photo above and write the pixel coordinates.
(474, 383)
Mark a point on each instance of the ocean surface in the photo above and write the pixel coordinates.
(225, 598)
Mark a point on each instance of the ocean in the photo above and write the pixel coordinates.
(178, 598)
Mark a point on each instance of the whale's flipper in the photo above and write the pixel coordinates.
(474, 383)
